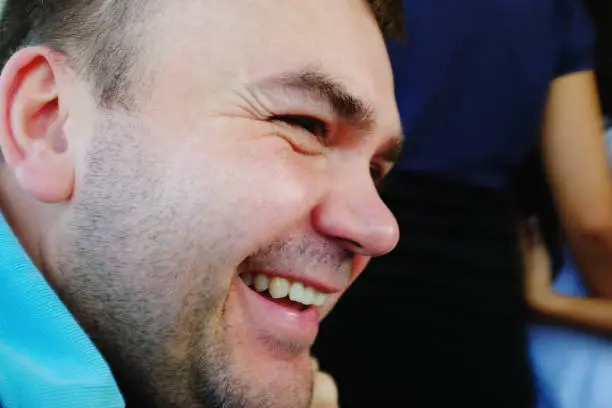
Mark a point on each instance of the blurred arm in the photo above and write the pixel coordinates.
(575, 157)
(592, 313)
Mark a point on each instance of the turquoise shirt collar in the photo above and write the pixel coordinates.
(46, 359)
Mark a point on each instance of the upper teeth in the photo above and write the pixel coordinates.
(280, 288)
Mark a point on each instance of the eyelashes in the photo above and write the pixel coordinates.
(377, 172)
(310, 124)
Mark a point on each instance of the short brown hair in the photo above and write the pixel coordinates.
(97, 36)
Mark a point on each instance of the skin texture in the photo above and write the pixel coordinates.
(142, 220)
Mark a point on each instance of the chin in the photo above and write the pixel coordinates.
(258, 359)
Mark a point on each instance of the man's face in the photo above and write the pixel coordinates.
(251, 164)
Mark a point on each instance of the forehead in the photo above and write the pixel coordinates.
(233, 42)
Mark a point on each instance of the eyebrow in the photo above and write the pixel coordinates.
(324, 89)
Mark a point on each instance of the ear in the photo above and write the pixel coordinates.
(32, 125)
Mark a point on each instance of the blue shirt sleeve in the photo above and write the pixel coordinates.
(577, 37)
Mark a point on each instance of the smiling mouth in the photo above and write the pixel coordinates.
(283, 292)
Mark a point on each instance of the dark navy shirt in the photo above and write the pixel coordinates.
(472, 80)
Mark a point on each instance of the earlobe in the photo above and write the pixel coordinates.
(45, 174)
(32, 126)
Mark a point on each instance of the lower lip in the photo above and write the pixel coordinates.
(283, 322)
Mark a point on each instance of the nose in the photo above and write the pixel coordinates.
(354, 214)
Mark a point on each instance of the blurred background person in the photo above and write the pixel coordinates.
(502, 114)
(571, 348)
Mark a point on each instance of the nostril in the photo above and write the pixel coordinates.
(351, 247)
(354, 243)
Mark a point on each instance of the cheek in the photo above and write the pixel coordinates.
(249, 195)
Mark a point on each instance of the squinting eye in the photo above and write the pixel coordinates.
(376, 172)
(312, 125)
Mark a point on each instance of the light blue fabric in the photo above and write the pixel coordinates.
(572, 369)
(46, 359)
(608, 124)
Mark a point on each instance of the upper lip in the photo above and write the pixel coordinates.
(320, 285)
